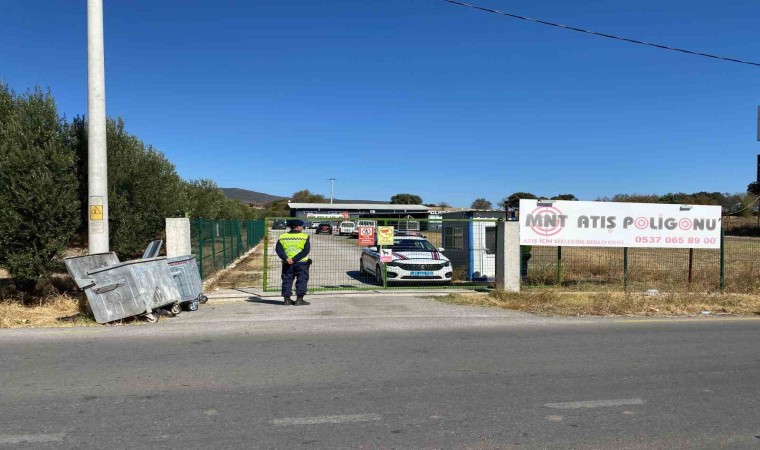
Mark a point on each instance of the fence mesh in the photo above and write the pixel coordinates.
(470, 248)
(339, 262)
(217, 243)
(641, 269)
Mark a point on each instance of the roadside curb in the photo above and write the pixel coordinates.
(233, 295)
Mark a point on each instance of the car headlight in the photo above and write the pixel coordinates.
(447, 264)
(392, 264)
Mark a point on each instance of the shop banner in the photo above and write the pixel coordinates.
(613, 224)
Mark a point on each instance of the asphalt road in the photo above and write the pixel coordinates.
(382, 372)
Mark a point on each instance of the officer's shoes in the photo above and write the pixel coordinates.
(288, 301)
(301, 302)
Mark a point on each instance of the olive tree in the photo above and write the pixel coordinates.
(39, 206)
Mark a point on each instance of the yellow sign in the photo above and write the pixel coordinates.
(384, 235)
(96, 212)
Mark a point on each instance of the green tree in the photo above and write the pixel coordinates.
(754, 188)
(406, 199)
(635, 198)
(143, 190)
(305, 196)
(39, 206)
(570, 197)
(513, 201)
(481, 203)
(205, 199)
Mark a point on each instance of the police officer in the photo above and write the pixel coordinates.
(293, 248)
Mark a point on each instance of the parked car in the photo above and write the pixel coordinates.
(414, 260)
(279, 224)
(409, 233)
(363, 223)
(324, 228)
(346, 228)
(313, 224)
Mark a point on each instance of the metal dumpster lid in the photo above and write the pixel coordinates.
(80, 266)
(127, 263)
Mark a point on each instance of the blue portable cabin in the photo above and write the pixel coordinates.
(469, 241)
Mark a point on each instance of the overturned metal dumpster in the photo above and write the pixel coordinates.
(186, 276)
(116, 290)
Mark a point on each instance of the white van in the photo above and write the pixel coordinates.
(346, 228)
(364, 223)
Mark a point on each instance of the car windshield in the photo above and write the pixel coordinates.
(411, 245)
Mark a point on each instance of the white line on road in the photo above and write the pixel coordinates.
(595, 403)
(346, 418)
(19, 438)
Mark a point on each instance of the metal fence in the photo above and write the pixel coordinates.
(218, 243)
(734, 268)
(339, 262)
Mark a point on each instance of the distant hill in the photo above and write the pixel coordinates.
(257, 198)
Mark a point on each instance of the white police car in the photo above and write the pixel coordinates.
(414, 260)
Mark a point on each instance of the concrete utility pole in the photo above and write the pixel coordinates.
(97, 160)
(332, 181)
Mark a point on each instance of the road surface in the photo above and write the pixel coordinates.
(378, 372)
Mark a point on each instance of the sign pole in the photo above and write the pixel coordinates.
(97, 160)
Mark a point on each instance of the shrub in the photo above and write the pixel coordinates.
(143, 187)
(39, 208)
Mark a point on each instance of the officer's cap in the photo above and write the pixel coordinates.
(295, 223)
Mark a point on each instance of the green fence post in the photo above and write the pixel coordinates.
(214, 231)
(237, 238)
(559, 265)
(224, 243)
(722, 262)
(200, 247)
(691, 263)
(266, 258)
(241, 242)
(625, 268)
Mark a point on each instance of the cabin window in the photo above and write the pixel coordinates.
(454, 237)
(490, 240)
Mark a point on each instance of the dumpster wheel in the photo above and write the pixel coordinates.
(175, 309)
(202, 298)
(192, 306)
(152, 318)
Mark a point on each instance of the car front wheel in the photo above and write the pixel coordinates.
(379, 274)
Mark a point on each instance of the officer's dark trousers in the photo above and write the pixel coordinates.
(299, 271)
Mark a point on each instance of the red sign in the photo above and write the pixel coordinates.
(366, 236)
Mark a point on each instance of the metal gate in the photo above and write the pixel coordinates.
(427, 254)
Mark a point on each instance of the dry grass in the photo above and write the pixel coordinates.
(54, 311)
(555, 303)
(593, 269)
(247, 273)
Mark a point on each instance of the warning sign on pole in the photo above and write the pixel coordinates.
(366, 236)
(384, 235)
(96, 212)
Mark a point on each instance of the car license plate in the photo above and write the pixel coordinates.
(422, 274)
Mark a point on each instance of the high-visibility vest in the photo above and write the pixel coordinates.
(293, 243)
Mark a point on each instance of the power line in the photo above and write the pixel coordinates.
(581, 30)
(746, 207)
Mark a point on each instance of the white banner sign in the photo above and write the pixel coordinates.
(612, 224)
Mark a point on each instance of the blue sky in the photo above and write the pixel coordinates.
(417, 96)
